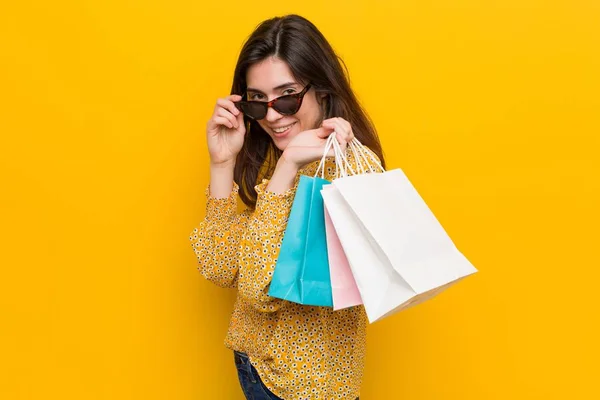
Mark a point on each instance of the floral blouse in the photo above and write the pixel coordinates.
(300, 352)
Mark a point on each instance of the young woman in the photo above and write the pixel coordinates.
(289, 94)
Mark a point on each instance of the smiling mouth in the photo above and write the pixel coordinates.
(283, 130)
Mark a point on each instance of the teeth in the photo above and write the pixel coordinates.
(280, 130)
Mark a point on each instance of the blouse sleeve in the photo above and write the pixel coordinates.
(216, 240)
(260, 247)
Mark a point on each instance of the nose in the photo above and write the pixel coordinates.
(272, 115)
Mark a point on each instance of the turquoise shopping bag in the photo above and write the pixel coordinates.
(302, 270)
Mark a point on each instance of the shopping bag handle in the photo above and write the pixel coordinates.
(343, 167)
(328, 144)
(365, 155)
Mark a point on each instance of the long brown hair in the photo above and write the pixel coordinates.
(311, 58)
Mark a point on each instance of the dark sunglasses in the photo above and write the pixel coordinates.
(285, 105)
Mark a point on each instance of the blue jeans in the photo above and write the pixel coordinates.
(251, 384)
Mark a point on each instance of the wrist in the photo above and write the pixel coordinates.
(229, 164)
(283, 177)
(285, 164)
(288, 163)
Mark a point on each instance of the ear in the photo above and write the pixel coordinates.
(323, 99)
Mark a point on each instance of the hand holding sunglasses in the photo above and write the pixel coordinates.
(225, 131)
(284, 105)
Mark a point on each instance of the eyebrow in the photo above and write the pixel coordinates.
(275, 88)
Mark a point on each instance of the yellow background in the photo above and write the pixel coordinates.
(491, 108)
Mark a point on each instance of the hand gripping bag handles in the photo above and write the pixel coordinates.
(398, 252)
(302, 269)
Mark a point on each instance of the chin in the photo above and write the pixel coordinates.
(281, 144)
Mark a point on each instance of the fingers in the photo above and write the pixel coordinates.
(342, 128)
(343, 144)
(221, 112)
(227, 104)
(226, 113)
(234, 97)
(240, 119)
(323, 132)
(223, 121)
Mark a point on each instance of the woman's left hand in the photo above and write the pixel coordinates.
(308, 146)
(342, 129)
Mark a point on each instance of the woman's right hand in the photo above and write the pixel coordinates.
(225, 131)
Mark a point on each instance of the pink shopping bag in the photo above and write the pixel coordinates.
(343, 286)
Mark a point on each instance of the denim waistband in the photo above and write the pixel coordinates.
(241, 358)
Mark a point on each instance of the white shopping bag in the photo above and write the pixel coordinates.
(399, 253)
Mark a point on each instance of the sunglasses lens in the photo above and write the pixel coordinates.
(286, 105)
(254, 109)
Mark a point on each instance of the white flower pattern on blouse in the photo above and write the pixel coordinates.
(300, 352)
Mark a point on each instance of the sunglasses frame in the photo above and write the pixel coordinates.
(273, 103)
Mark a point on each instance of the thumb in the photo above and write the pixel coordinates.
(240, 121)
(240, 117)
(323, 132)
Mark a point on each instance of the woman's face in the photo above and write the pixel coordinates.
(272, 78)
